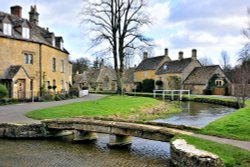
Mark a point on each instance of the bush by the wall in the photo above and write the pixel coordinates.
(148, 85)
(3, 91)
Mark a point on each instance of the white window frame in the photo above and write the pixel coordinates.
(145, 73)
(28, 58)
(61, 45)
(62, 65)
(7, 29)
(26, 33)
(53, 64)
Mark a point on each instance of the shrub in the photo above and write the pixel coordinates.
(3, 91)
(159, 83)
(138, 87)
(148, 85)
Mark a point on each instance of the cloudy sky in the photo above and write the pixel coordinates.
(210, 26)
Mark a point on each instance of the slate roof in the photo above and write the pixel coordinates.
(12, 71)
(150, 63)
(38, 34)
(175, 66)
(201, 75)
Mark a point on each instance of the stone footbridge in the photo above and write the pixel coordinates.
(86, 128)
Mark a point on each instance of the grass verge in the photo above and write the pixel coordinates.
(136, 108)
(230, 155)
(235, 125)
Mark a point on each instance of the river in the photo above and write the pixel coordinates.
(142, 153)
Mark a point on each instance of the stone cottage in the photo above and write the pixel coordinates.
(32, 57)
(172, 73)
(104, 79)
(208, 80)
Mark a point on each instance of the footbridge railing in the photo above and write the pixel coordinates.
(172, 93)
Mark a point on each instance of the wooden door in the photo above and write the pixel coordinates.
(21, 88)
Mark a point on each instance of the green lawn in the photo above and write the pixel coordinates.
(235, 125)
(117, 106)
(230, 155)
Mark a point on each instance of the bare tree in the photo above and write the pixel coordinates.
(241, 77)
(206, 61)
(116, 25)
(225, 61)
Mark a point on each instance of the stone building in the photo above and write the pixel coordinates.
(172, 73)
(32, 57)
(208, 78)
(103, 79)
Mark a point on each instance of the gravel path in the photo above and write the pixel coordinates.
(238, 143)
(16, 113)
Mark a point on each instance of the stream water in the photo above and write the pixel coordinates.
(142, 153)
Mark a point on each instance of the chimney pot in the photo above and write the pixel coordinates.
(181, 55)
(16, 10)
(166, 52)
(145, 55)
(194, 54)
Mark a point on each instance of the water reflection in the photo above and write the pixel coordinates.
(43, 153)
(197, 114)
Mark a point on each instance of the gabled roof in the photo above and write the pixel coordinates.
(13, 70)
(201, 75)
(150, 63)
(176, 66)
(38, 34)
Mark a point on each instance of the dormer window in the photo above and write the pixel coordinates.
(7, 29)
(26, 33)
(165, 67)
(53, 42)
(61, 45)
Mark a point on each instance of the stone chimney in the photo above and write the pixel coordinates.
(166, 52)
(145, 55)
(16, 10)
(34, 15)
(181, 55)
(194, 54)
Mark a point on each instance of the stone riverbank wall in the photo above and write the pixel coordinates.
(183, 155)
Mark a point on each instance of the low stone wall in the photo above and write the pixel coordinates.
(18, 131)
(183, 155)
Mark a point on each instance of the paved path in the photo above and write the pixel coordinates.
(16, 113)
(238, 143)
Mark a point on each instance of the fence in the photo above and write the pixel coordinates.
(180, 92)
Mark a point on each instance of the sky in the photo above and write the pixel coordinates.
(210, 26)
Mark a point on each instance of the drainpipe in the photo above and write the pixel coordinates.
(40, 70)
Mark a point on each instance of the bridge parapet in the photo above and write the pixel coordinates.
(144, 131)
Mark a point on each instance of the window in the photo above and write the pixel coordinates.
(54, 82)
(28, 58)
(62, 65)
(145, 73)
(7, 29)
(53, 64)
(62, 85)
(47, 84)
(61, 45)
(26, 33)
(165, 67)
(219, 83)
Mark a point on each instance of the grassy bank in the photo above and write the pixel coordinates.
(230, 155)
(137, 108)
(235, 125)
